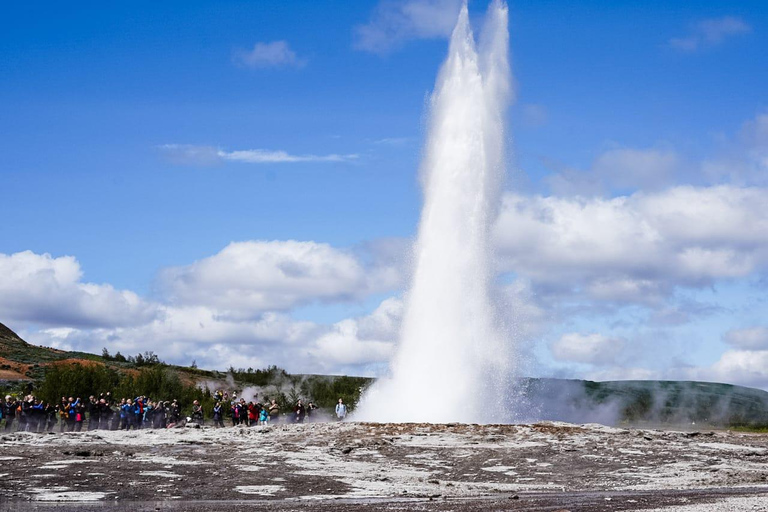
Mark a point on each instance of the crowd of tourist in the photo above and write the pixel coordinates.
(103, 412)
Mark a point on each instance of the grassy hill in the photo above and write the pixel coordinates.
(21, 361)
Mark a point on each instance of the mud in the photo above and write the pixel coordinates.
(358, 466)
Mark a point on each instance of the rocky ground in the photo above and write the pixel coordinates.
(362, 467)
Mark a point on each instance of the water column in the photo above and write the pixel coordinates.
(451, 362)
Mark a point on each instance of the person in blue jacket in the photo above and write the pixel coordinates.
(72, 412)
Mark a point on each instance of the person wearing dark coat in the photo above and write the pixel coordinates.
(300, 412)
(51, 416)
(94, 413)
(9, 411)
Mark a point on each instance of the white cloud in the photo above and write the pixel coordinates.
(637, 247)
(744, 367)
(366, 341)
(750, 338)
(711, 32)
(180, 334)
(397, 21)
(190, 154)
(42, 289)
(593, 348)
(255, 276)
(268, 55)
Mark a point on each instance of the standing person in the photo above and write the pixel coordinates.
(300, 412)
(50, 415)
(310, 410)
(23, 414)
(149, 411)
(72, 413)
(128, 415)
(235, 410)
(341, 410)
(79, 416)
(274, 411)
(123, 419)
(138, 411)
(94, 413)
(37, 413)
(263, 416)
(9, 412)
(175, 411)
(218, 415)
(253, 414)
(62, 410)
(197, 412)
(158, 415)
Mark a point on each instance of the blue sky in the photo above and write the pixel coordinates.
(121, 127)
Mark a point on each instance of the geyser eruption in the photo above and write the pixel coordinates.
(451, 363)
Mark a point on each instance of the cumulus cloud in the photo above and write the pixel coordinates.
(638, 247)
(190, 154)
(268, 55)
(255, 276)
(396, 22)
(48, 290)
(711, 32)
(594, 348)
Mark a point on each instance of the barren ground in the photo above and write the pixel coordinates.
(362, 467)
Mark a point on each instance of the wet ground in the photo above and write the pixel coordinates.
(362, 467)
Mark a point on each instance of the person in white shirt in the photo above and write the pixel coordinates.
(341, 410)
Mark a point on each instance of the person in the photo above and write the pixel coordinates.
(71, 413)
(37, 415)
(23, 411)
(127, 412)
(274, 411)
(79, 416)
(310, 410)
(159, 415)
(263, 416)
(197, 412)
(175, 411)
(149, 412)
(105, 414)
(50, 415)
(341, 410)
(235, 410)
(253, 414)
(62, 410)
(300, 412)
(218, 415)
(94, 413)
(9, 412)
(138, 411)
